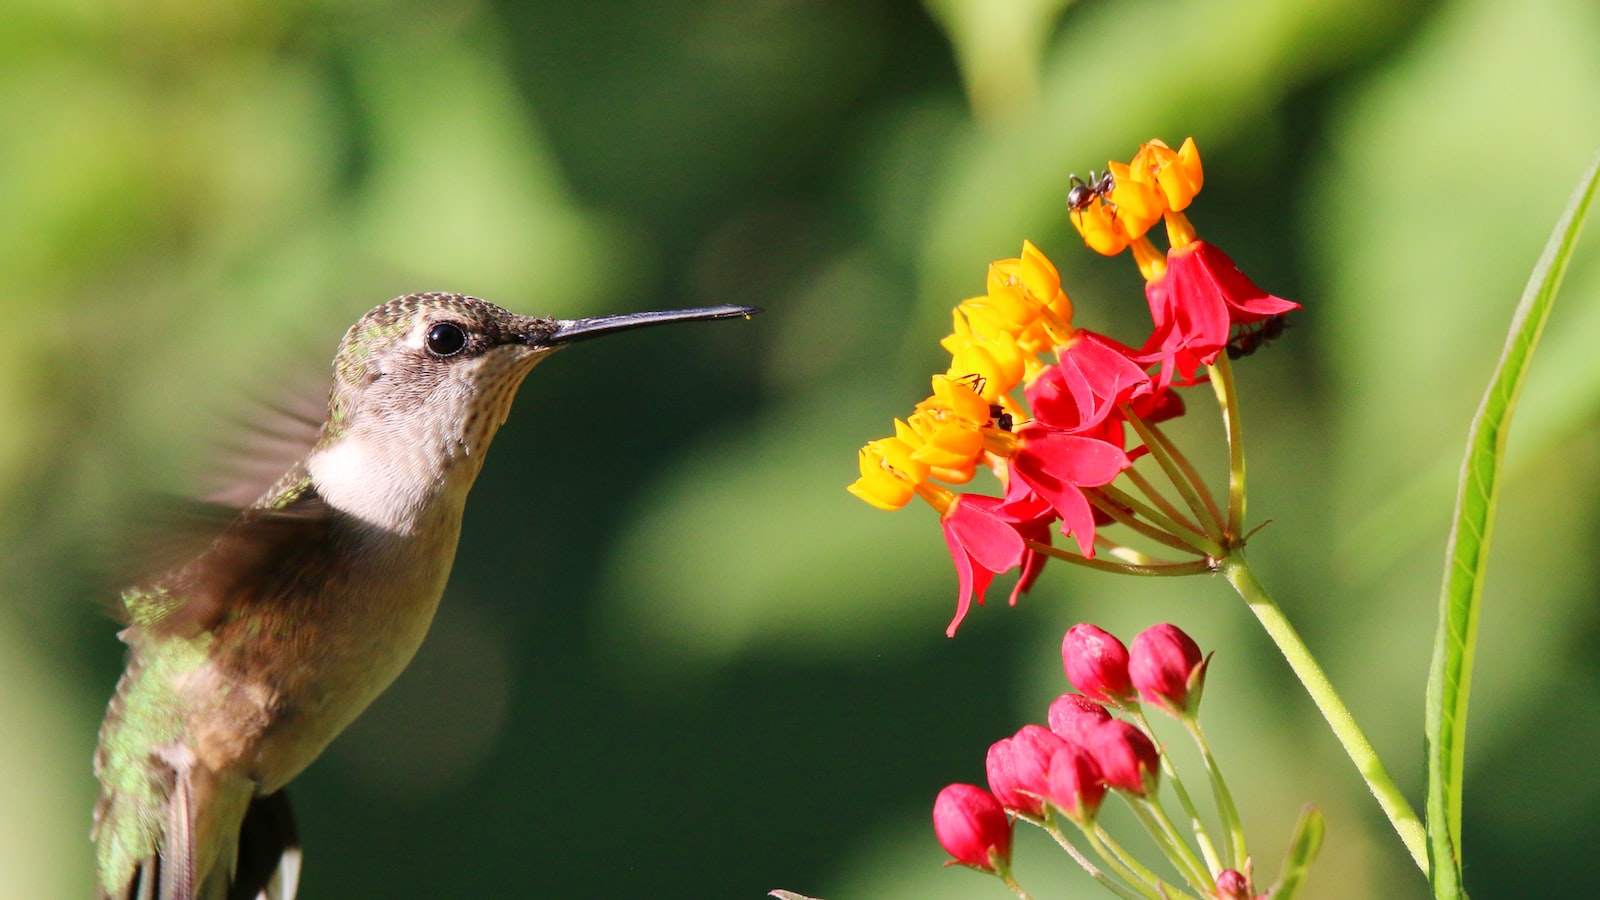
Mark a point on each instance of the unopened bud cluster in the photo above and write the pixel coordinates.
(1096, 743)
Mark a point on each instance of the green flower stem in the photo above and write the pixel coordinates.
(1194, 567)
(1146, 882)
(1011, 882)
(1124, 553)
(1117, 503)
(1111, 884)
(1360, 750)
(1228, 400)
(1219, 791)
(1159, 499)
(1166, 835)
(1188, 470)
(1180, 474)
(1002, 870)
(1207, 849)
(1125, 510)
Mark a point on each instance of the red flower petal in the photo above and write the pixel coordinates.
(1033, 561)
(1094, 375)
(967, 582)
(1057, 466)
(1202, 268)
(1194, 304)
(988, 537)
(982, 545)
(1158, 406)
(1023, 503)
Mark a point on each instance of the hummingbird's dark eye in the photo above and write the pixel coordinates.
(446, 339)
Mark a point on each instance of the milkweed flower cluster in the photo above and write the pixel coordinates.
(1099, 743)
(1059, 446)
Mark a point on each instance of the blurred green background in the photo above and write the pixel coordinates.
(676, 659)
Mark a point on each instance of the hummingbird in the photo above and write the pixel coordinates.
(247, 659)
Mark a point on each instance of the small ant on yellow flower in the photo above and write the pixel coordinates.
(1002, 419)
(1082, 193)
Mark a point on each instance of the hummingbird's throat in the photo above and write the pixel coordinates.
(401, 469)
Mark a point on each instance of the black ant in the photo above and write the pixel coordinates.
(1002, 419)
(1082, 193)
(1250, 340)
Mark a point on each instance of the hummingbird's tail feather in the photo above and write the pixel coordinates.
(268, 866)
(177, 858)
(166, 826)
(208, 844)
(166, 870)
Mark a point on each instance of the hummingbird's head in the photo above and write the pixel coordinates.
(422, 383)
(435, 368)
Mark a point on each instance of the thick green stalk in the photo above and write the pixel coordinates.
(1356, 746)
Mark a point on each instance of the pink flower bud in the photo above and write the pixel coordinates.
(1072, 716)
(1234, 885)
(1031, 749)
(1074, 785)
(1126, 757)
(1096, 664)
(1004, 784)
(1167, 668)
(971, 825)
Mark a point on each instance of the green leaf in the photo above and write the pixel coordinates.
(1303, 849)
(1466, 559)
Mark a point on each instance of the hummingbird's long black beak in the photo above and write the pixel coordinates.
(570, 330)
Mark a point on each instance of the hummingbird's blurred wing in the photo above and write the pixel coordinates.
(253, 462)
(252, 451)
(203, 560)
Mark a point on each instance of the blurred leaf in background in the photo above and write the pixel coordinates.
(676, 657)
